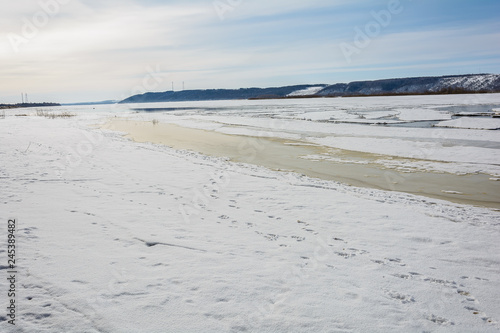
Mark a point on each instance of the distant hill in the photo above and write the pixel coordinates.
(472, 83)
(27, 105)
(93, 103)
(216, 94)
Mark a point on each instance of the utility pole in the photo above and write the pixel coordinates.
(22, 98)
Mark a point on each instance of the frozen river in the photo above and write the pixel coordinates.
(440, 146)
(241, 216)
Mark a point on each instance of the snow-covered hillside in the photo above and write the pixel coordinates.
(473, 82)
(306, 92)
(451, 84)
(416, 85)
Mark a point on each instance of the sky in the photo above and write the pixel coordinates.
(91, 50)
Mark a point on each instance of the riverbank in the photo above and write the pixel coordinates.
(294, 156)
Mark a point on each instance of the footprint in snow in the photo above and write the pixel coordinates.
(350, 252)
(298, 238)
(405, 299)
(440, 320)
(389, 261)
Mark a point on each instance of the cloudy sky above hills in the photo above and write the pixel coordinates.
(75, 50)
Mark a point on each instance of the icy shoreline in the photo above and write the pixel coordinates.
(318, 161)
(339, 123)
(118, 236)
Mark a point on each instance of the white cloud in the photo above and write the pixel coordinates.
(106, 46)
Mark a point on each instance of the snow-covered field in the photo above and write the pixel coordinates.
(118, 236)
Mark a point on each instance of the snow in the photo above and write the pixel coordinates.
(422, 114)
(473, 82)
(433, 151)
(472, 123)
(307, 91)
(119, 236)
(326, 115)
(380, 114)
